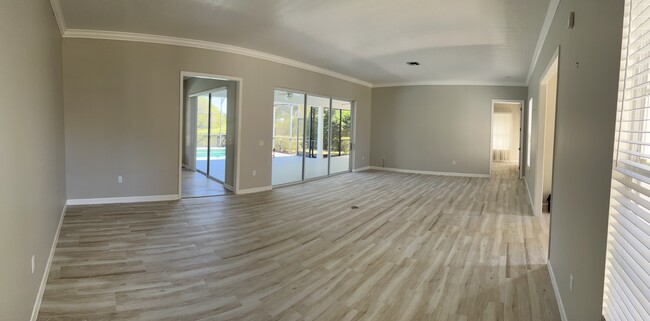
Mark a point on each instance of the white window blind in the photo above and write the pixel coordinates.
(627, 275)
(501, 132)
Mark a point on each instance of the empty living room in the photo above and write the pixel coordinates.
(325, 160)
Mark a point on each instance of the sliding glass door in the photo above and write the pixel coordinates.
(218, 121)
(316, 136)
(311, 136)
(211, 138)
(341, 124)
(202, 132)
(288, 137)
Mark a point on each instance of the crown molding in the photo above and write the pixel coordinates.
(450, 83)
(175, 41)
(58, 15)
(193, 43)
(548, 20)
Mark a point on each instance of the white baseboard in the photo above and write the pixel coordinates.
(411, 171)
(361, 169)
(46, 273)
(254, 190)
(557, 292)
(130, 199)
(228, 187)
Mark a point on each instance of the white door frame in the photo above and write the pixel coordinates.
(522, 122)
(240, 89)
(521, 119)
(543, 103)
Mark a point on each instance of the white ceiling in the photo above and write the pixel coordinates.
(469, 41)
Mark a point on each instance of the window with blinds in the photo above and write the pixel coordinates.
(627, 275)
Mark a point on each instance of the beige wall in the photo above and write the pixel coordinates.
(32, 193)
(122, 113)
(584, 137)
(426, 128)
(514, 109)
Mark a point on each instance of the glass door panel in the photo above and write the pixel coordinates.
(317, 136)
(202, 121)
(341, 123)
(288, 137)
(218, 120)
(311, 136)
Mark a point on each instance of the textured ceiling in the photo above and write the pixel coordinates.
(455, 41)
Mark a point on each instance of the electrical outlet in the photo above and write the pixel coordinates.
(363, 157)
(571, 282)
(254, 172)
(453, 162)
(261, 142)
(33, 264)
(119, 180)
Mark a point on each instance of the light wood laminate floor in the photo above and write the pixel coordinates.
(417, 248)
(195, 184)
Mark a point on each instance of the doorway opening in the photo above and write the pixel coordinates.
(506, 139)
(546, 139)
(208, 136)
(311, 136)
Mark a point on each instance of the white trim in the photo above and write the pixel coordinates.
(543, 130)
(46, 272)
(254, 190)
(490, 153)
(58, 15)
(129, 199)
(557, 292)
(450, 83)
(522, 115)
(240, 104)
(412, 171)
(548, 20)
(181, 125)
(353, 140)
(361, 169)
(228, 187)
(193, 43)
(209, 91)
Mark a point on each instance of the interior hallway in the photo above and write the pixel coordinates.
(417, 248)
